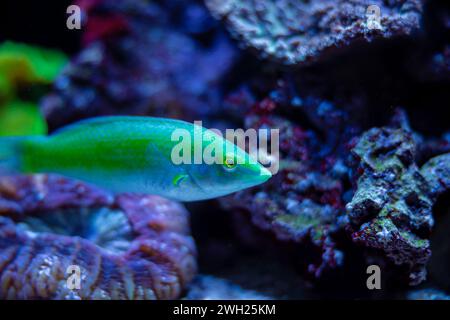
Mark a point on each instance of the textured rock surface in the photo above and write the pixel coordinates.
(141, 64)
(295, 31)
(437, 173)
(391, 208)
(303, 202)
(127, 247)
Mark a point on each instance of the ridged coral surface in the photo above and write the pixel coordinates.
(126, 246)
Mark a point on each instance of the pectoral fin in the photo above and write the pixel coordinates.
(178, 179)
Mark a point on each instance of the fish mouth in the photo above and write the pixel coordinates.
(260, 176)
(265, 173)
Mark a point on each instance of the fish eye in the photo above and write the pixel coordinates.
(229, 163)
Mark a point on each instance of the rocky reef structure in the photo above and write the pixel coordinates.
(437, 173)
(391, 209)
(138, 60)
(125, 246)
(172, 58)
(303, 202)
(295, 32)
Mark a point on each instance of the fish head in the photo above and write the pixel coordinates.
(238, 171)
(232, 170)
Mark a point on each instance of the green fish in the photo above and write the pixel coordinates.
(133, 154)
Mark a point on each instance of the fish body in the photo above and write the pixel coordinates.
(132, 154)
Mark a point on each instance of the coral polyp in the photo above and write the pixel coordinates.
(125, 246)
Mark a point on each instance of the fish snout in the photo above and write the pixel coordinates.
(264, 174)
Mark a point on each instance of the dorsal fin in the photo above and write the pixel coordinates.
(94, 121)
(112, 119)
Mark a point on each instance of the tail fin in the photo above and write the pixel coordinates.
(10, 155)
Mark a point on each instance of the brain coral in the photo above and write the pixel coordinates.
(125, 246)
